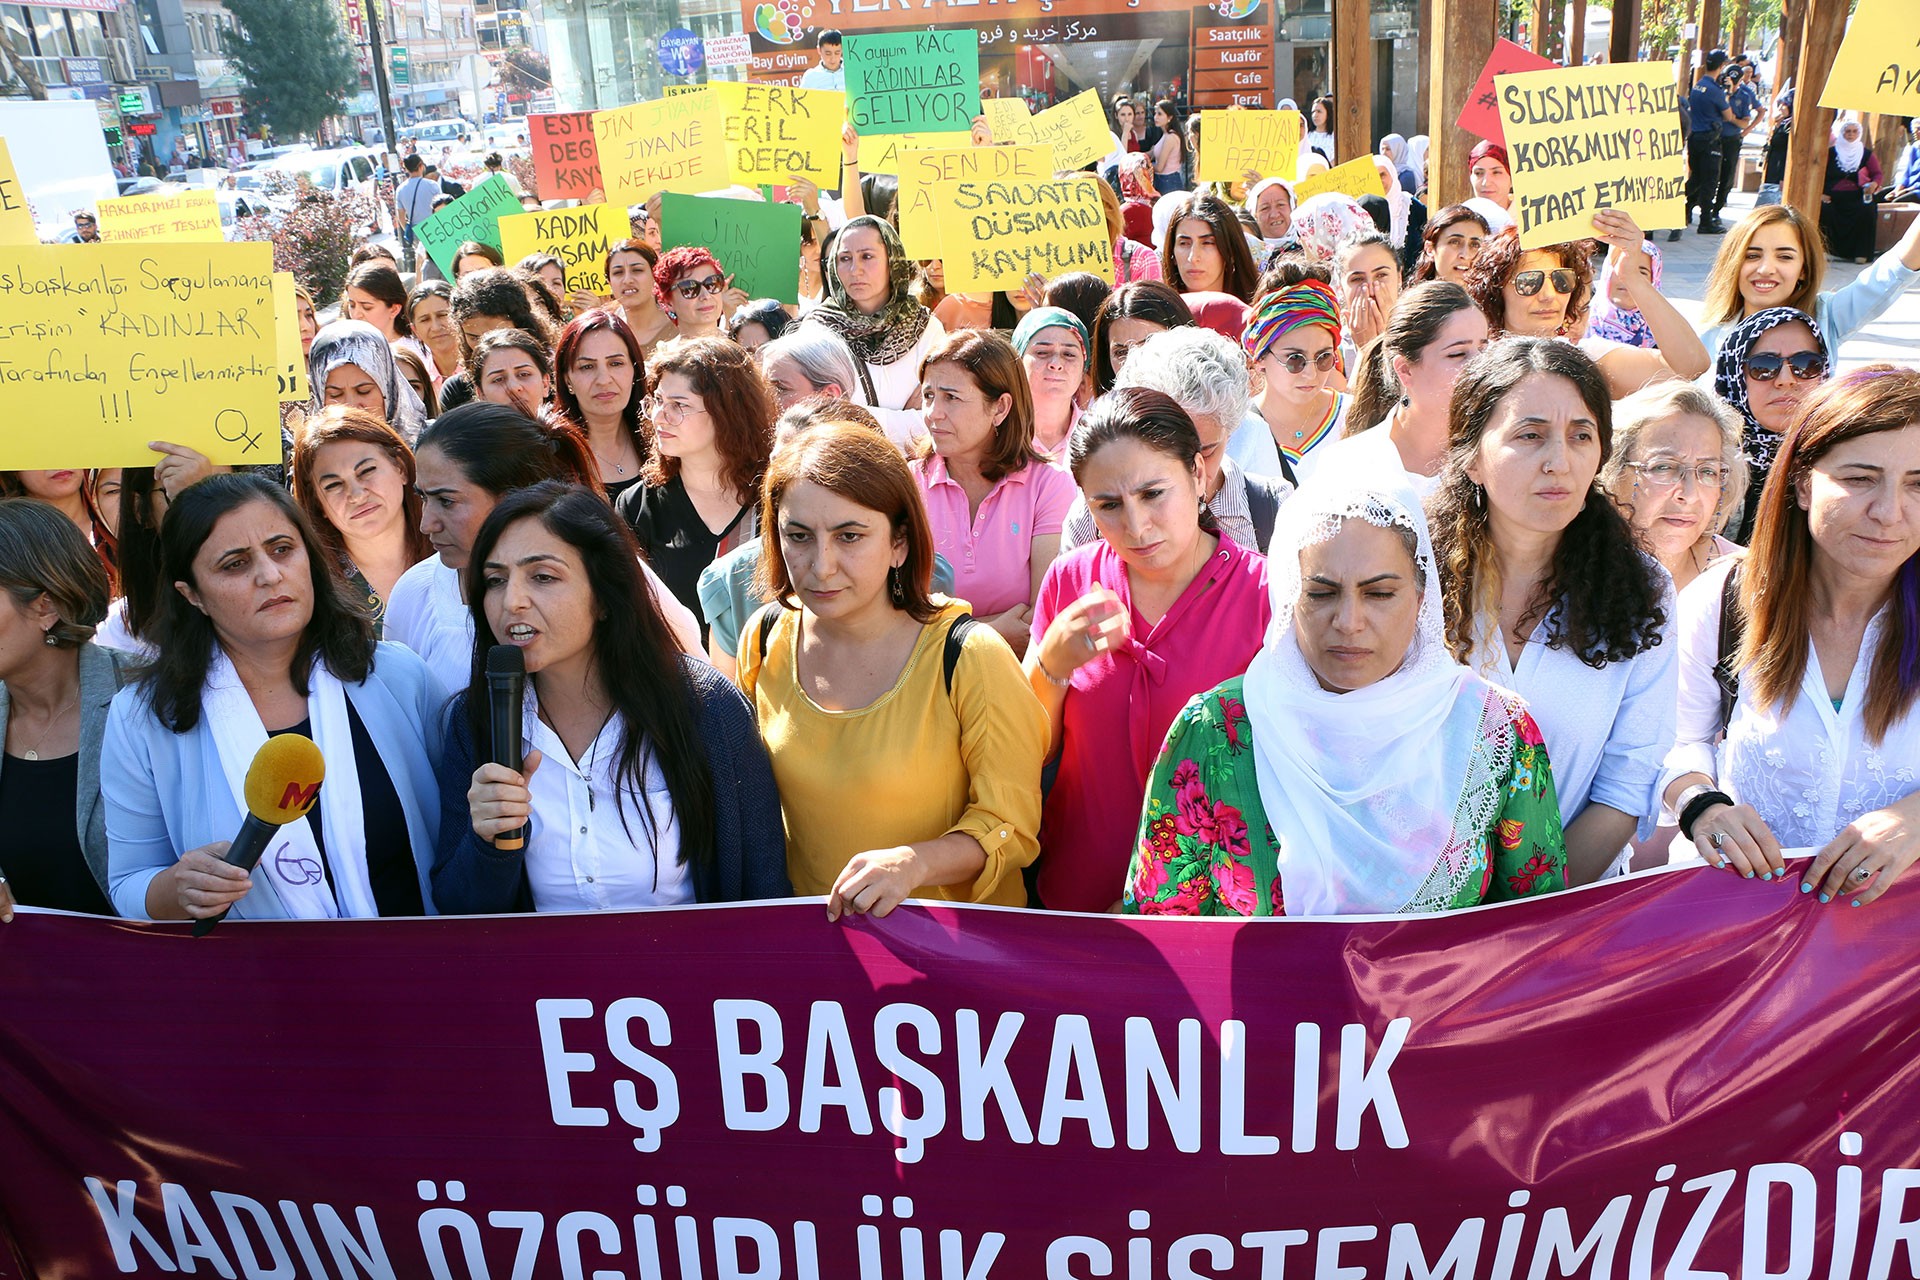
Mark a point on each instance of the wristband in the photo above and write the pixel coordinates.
(1052, 679)
(1700, 803)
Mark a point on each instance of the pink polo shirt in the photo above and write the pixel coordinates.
(1120, 705)
(991, 553)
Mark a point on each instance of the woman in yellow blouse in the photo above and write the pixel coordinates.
(904, 738)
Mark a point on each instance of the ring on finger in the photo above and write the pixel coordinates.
(1862, 872)
(1719, 838)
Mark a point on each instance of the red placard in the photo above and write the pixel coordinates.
(1478, 116)
(566, 163)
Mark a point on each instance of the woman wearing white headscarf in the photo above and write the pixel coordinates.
(1401, 218)
(1393, 148)
(1356, 768)
(350, 363)
(1417, 147)
(1846, 205)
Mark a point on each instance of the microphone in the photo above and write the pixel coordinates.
(282, 782)
(506, 690)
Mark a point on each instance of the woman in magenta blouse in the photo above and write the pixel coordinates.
(995, 503)
(1127, 629)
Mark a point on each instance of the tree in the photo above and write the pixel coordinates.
(294, 58)
(525, 70)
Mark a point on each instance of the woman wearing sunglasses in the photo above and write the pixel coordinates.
(1766, 367)
(1545, 293)
(695, 291)
(1293, 338)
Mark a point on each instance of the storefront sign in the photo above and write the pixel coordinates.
(1232, 58)
(225, 106)
(729, 51)
(134, 103)
(84, 71)
(681, 53)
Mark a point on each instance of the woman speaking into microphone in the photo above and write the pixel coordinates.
(258, 638)
(643, 783)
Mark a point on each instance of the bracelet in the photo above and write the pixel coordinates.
(1698, 805)
(1052, 679)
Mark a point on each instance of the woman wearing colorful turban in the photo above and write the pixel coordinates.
(1293, 336)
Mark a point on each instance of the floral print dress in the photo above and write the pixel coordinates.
(1205, 848)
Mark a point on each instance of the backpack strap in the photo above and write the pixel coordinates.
(768, 615)
(956, 641)
(1733, 626)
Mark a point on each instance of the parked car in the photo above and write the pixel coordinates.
(330, 172)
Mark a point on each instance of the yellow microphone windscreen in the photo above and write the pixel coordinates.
(284, 778)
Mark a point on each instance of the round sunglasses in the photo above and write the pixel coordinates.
(1295, 361)
(1765, 366)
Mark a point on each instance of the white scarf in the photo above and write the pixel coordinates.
(1379, 796)
(292, 864)
(1849, 154)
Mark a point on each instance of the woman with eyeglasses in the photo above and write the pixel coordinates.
(512, 367)
(695, 291)
(630, 265)
(1766, 367)
(870, 306)
(1676, 473)
(1293, 339)
(1545, 293)
(1450, 243)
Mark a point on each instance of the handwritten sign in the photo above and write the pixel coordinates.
(1267, 142)
(16, 219)
(1076, 130)
(914, 81)
(1357, 177)
(756, 243)
(774, 132)
(675, 144)
(922, 171)
(1878, 66)
(566, 162)
(1587, 138)
(474, 216)
(995, 233)
(579, 237)
(290, 360)
(881, 152)
(122, 344)
(1006, 117)
(1479, 116)
(191, 217)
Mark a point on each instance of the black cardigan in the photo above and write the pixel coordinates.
(471, 877)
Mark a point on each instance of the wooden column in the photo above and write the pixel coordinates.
(1463, 35)
(1538, 35)
(1737, 26)
(1351, 52)
(1825, 23)
(1423, 101)
(1710, 25)
(1793, 16)
(1623, 44)
(1578, 27)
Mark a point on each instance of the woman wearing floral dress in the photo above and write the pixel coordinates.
(1356, 768)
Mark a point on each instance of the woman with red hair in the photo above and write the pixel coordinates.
(695, 291)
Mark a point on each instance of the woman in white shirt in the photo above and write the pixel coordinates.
(643, 781)
(870, 306)
(1821, 646)
(1546, 593)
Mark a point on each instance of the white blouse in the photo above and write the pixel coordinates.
(1607, 729)
(1808, 769)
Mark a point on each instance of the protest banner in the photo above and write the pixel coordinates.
(1267, 142)
(566, 161)
(1682, 1075)
(190, 217)
(1478, 116)
(579, 237)
(914, 81)
(920, 171)
(774, 132)
(1076, 130)
(16, 218)
(994, 233)
(105, 347)
(1878, 66)
(881, 152)
(1006, 117)
(675, 144)
(1357, 177)
(755, 242)
(292, 361)
(1587, 138)
(474, 216)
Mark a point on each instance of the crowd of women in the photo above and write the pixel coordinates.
(1333, 561)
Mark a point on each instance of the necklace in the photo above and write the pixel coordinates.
(33, 752)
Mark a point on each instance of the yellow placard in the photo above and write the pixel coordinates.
(774, 132)
(881, 152)
(921, 171)
(188, 217)
(1878, 66)
(1232, 142)
(674, 144)
(16, 219)
(995, 233)
(1581, 139)
(1076, 130)
(290, 360)
(675, 90)
(115, 345)
(579, 237)
(1006, 117)
(1356, 178)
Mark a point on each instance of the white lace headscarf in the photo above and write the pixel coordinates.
(1381, 798)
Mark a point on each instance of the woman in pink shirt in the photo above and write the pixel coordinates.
(1126, 630)
(995, 504)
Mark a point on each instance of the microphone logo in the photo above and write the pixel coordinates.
(298, 799)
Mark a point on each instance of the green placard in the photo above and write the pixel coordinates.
(474, 216)
(758, 244)
(914, 81)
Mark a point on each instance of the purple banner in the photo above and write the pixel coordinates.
(1681, 1076)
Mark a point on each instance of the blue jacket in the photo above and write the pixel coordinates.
(166, 794)
(749, 860)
